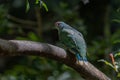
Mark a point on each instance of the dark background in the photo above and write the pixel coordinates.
(98, 21)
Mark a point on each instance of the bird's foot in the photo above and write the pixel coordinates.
(82, 62)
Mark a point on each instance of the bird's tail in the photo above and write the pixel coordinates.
(81, 60)
(85, 59)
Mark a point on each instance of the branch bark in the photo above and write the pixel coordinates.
(19, 47)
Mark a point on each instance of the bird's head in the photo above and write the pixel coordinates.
(60, 25)
(64, 27)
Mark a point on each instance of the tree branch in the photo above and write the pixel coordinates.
(22, 21)
(17, 47)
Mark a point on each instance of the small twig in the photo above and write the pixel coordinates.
(39, 23)
(27, 22)
(113, 61)
(112, 58)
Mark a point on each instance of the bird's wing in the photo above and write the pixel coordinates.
(76, 31)
(72, 36)
(66, 40)
(79, 43)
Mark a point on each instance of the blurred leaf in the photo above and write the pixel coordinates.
(116, 20)
(22, 69)
(63, 5)
(33, 36)
(106, 62)
(118, 10)
(116, 47)
(21, 38)
(45, 6)
(37, 2)
(117, 54)
(118, 75)
(85, 1)
(116, 41)
(27, 6)
(109, 64)
(31, 71)
(41, 3)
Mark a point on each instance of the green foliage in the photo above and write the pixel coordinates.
(30, 36)
(37, 68)
(116, 20)
(27, 6)
(3, 20)
(107, 63)
(116, 16)
(115, 65)
(37, 2)
(44, 5)
(117, 54)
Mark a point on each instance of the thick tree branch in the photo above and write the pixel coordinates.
(17, 47)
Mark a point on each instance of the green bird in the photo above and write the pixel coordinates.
(73, 40)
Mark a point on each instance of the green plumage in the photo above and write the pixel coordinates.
(73, 40)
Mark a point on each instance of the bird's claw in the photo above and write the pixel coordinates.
(82, 62)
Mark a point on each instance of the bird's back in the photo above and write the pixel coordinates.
(74, 42)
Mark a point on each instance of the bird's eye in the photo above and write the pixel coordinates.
(58, 24)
